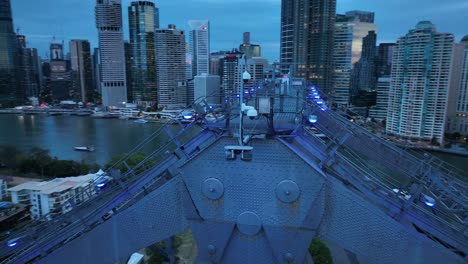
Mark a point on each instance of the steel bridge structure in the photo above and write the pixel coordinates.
(301, 171)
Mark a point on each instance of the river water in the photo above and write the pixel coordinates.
(111, 137)
(60, 134)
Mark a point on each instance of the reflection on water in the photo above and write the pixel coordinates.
(110, 137)
(60, 134)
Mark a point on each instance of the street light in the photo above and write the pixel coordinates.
(245, 78)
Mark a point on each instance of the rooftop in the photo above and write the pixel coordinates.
(56, 185)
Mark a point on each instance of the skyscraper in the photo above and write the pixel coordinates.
(420, 81)
(81, 66)
(97, 71)
(170, 63)
(457, 109)
(349, 48)
(128, 70)
(307, 28)
(230, 78)
(60, 82)
(8, 85)
(384, 59)
(27, 70)
(363, 77)
(216, 61)
(208, 86)
(199, 41)
(111, 48)
(250, 50)
(142, 17)
(379, 111)
(363, 16)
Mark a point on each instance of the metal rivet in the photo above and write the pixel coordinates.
(288, 257)
(212, 249)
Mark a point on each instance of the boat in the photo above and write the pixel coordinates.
(89, 148)
(140, 121)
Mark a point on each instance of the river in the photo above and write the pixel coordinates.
(110, 137)
(60, 134)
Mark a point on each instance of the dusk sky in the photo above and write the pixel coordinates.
(74, 19)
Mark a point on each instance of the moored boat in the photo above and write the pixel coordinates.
(88, 148)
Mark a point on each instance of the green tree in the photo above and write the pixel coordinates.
(10, 157)
(320, 252)
(42, 158)
(154, 253)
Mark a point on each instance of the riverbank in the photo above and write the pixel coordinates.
(453, 151)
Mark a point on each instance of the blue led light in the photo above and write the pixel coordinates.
(101, 183)
(317, 97)
(12, 244)
(187, 115)
(430, 204)
(313, 119)
(429, 201)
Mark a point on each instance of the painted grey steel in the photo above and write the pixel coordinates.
(266, 209)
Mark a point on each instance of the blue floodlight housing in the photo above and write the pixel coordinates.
(13, 242)
(313, 119)
(429, 201)
(187, 115)
(101, 183)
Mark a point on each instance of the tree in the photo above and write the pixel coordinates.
(320, 252)
(156, 253)
(10, 157)
(41, 157)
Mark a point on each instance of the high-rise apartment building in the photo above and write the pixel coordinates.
(199, 42)
(307, 28)
(457, 109)
(379, 111)
(111, 50)
(8, 84)
(82, 73)
(420, 81)
(142, 17)
(171, 67)
(349, 44)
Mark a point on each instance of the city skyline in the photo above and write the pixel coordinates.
(53, 17)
